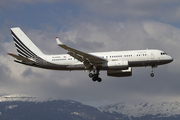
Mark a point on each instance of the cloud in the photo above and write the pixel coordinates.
(5, 2)
(163, 10)
(15, 4)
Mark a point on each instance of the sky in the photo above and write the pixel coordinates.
(92, 26)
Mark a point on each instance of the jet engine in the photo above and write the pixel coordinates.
(120, 73)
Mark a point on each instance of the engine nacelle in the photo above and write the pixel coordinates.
(117, 65)
(120, 73)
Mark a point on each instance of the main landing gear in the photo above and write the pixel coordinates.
(95, 75)
(152, 67)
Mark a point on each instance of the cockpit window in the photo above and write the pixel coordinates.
(163, 53)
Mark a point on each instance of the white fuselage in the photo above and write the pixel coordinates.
(135, 58)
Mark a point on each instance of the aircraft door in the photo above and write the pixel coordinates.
(152, 56)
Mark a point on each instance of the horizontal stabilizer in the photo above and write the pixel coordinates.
(20, 58)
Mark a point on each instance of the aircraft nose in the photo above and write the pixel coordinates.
(170, 59)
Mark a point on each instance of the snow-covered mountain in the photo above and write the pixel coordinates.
(26, 107)
(164, 109)
(23, 107)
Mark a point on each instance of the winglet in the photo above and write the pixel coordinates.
(58, 41)
(9, 53)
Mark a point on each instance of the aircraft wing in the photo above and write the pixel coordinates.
(86, 58)
(20, 58)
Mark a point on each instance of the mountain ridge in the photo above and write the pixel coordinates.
(163, 109)
(25, 106)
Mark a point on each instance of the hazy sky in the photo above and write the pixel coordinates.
(90, 26)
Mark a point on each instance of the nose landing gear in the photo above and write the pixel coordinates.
(152, 67)
(152, 74)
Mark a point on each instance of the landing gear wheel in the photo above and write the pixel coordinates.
(96, 76)
(91, 75)
(99, 79)
(152, 74)
(94, 79)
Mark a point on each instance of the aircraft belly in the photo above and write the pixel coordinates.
(146, 63)
(138, 63)
(75, 67)
(53, 66)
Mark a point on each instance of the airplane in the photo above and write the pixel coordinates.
(116, 63)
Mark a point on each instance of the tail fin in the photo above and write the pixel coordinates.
(25, 47)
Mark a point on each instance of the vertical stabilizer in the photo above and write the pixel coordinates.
(25, 47)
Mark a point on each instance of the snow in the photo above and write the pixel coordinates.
(78, 114)
(75, 113)
(164, 109)
(11, 107)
